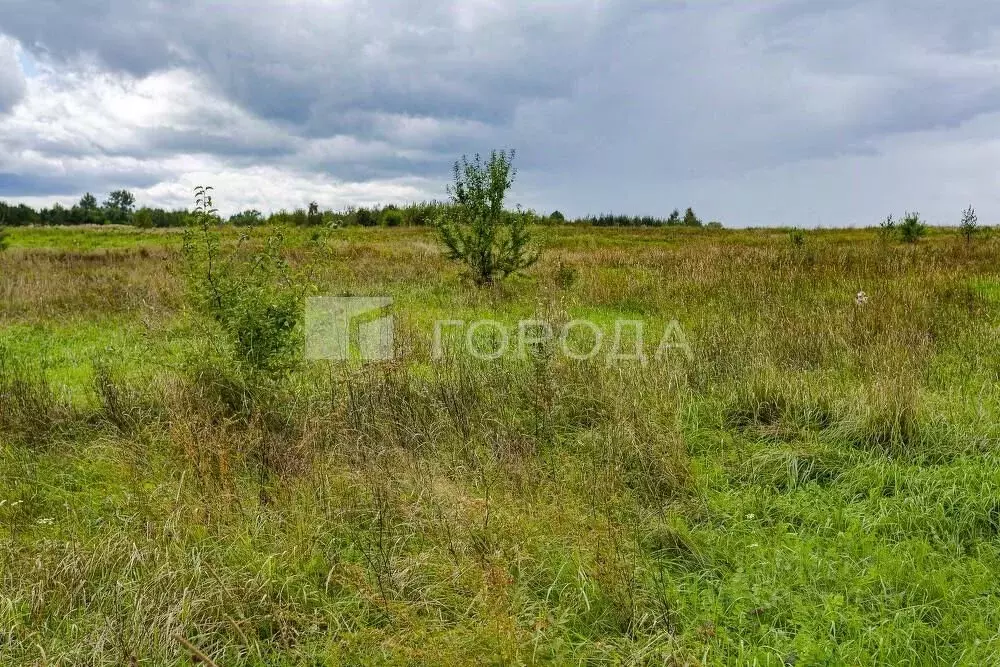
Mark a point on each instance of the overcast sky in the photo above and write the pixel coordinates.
(791, 112)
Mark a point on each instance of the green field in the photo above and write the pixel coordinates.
(818, 484)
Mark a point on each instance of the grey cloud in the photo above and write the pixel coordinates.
(304, 63)
(608, 102)
(29, 185)
(12, 84)
(658, 74)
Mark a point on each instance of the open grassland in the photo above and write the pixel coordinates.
(820, 484)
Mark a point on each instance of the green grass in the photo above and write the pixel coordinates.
(819, 485)
(93, 238)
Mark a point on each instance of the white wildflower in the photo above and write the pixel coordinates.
(861, 299)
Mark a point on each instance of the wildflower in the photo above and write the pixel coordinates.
(46, 522)
(861, 299)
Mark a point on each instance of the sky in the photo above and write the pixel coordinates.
(773, 112)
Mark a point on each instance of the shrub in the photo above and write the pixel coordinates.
(392, 217)
(969, 226)
(477, 230)
(911, 229)
(250, 293)
(797, 238)
(557, 216)
(248, 218)
(418, 215)
(887, 228)
(365, 217)
(143, 218)
(4, 239)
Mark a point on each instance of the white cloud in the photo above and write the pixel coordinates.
(271, 189)
(162, 134)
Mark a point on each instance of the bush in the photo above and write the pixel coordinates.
(477, 230)
(143, 218)
(248, 218)
(392, 217)
(418, 215)
(557, 216)
(250, 293)
(887, 228)
(4, 239)
(365, 217)
(911, 229)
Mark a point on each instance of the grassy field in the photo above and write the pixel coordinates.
(819, 484)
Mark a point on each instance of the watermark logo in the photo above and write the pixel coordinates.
(579, 340)
(361, 329)
(349, 328)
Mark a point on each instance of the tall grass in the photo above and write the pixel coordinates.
(819, 484)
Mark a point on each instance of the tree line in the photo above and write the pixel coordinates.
(119, 208)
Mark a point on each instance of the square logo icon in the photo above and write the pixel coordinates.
(349, 328)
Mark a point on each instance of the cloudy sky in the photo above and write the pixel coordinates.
(795, 112)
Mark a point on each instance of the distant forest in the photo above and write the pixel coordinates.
(119, 209)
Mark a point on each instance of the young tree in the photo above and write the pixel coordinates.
(248, 290)
(969, 226)
(911, 229)
(477, 230)
(887, 228)
(675, 218)
(313, 215)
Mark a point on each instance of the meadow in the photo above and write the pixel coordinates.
(818, 484)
